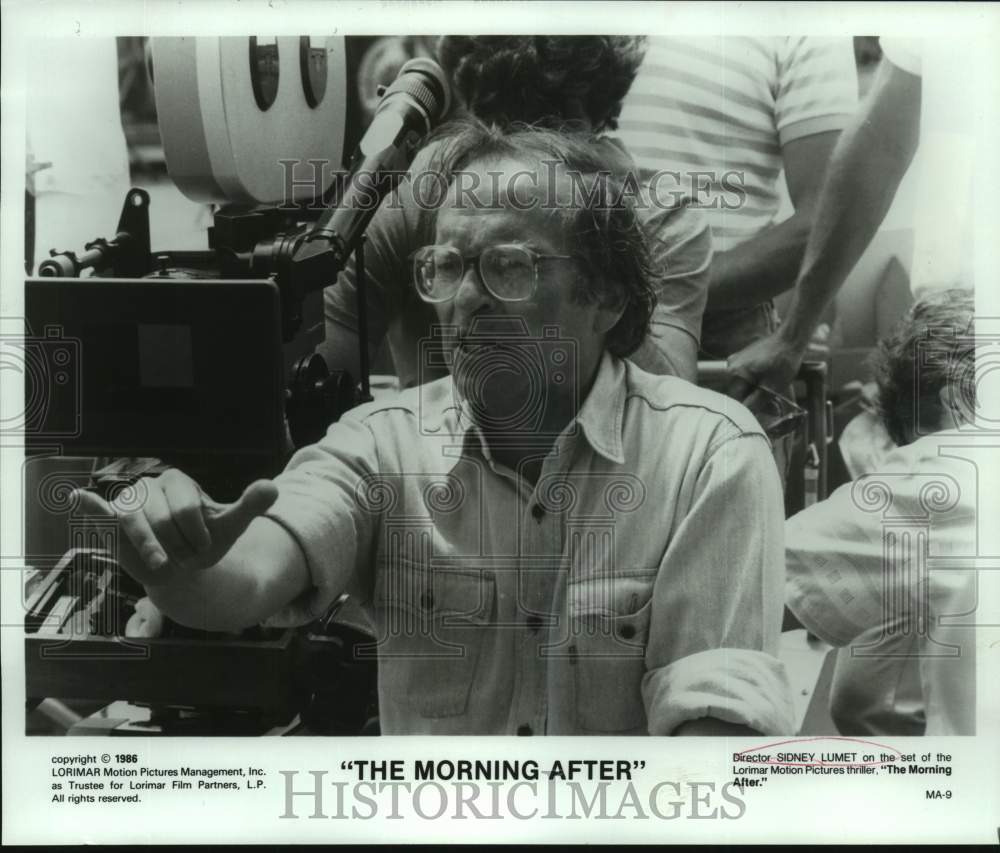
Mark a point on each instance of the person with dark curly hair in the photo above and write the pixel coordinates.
(530, 561)
(554, 81)
(860, 572)
(572, 84)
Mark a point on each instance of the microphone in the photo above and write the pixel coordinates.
(410, 108)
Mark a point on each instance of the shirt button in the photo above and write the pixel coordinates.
(537, 512)
(524, 730)
(427, 600)
(534, 622)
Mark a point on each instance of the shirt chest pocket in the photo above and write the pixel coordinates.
(609, 620)
(431, 627)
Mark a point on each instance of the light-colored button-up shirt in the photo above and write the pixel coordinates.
(636, 585)
(887, 565)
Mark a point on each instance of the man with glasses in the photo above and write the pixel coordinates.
(557, 82)
(549, 540)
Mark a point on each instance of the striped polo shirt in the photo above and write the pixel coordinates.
(719, 109)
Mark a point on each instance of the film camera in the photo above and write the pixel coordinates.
(205, 360)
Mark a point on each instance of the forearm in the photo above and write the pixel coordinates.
(761, 268)
(851, 209)
(866, 169)
(259, 575)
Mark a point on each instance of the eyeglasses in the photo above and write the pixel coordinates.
(509, 272)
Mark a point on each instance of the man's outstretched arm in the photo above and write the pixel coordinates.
(283, 552)
(219, 567)
(865, 171)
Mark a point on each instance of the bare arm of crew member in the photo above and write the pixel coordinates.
(766, 265)
(868, 164)
(866, 172)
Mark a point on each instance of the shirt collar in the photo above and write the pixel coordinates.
(603, 412)
(599, 419)
(468, 431)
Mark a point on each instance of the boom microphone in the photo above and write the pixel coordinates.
(410, 108)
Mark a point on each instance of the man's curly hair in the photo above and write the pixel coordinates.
(553, 81)
(930, 348)
(603, 227)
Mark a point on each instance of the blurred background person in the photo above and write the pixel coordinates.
(895, 673)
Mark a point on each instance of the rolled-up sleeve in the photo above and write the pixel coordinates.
(318, 504)
(817, 86)
(718, 600)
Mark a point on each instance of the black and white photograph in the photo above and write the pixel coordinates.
(692, 436)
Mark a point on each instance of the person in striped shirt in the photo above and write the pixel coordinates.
(920, 97)
(730, 115)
